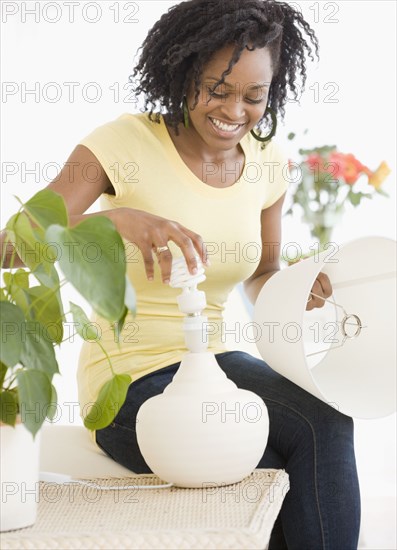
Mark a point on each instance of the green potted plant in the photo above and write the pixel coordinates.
(32, 318)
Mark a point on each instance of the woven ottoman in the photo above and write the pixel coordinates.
(99, 513)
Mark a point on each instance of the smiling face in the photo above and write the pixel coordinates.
(222, 117)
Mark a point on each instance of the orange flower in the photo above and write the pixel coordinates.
(336, 164)
(378, 177)
(339, 165)
(346, 167)
(353, 169)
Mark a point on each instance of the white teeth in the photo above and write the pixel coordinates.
(223, 126)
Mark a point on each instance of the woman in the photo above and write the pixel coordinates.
(196, 181)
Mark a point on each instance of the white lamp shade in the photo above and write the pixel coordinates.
(356, 375)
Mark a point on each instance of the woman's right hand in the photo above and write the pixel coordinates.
(146, 230)
(149, 231)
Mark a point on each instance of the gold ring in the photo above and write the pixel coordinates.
(161, 249)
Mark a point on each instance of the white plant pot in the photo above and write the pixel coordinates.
(19, 468)
(202, 429)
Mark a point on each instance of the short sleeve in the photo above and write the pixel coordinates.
(116, 145)
(275, 173)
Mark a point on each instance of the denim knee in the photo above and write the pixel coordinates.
(336, 425)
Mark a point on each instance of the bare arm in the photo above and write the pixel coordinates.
(269, 263)
(271, 241)
(142, 228)
(77, 193)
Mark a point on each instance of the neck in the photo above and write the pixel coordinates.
(191, 144)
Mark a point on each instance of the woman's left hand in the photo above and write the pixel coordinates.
(322, 287)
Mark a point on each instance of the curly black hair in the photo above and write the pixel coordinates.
(185, 38)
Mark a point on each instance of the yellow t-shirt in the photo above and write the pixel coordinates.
(148, 174)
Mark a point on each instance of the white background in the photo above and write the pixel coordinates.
(357, 58)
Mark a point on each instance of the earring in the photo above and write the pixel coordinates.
(273, 130)
(185, 112)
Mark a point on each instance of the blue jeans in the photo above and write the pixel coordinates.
(311, 440)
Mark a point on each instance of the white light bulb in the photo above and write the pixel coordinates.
(191, 302)
(180, 276)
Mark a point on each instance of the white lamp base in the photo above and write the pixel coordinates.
(202, 429)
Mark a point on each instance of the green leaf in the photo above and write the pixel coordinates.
(52, 409)
(16, 283)
(3, 372)
(37, 350)
(30, 249)
(34, 390)
(110, 399)
(47, 276)
(291, 135)
(130, 305)
(19, 278)
(93, 260)
(46, 208)
(323, 150)
(8, 407)
(12, 323)
(118, 326)
(381, 192)
(83, 325)
(289, 212)
(355, 198)
(44, 307)
(130, 296)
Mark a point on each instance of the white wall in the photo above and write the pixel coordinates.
(357, 49)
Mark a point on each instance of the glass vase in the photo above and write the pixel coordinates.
(322, 224)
